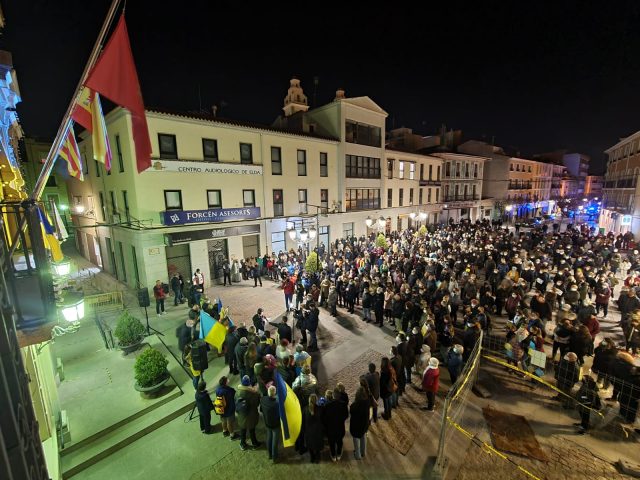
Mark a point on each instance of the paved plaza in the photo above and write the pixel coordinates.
(400, 448)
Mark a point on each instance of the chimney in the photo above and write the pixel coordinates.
(339, 94)
(214, 110)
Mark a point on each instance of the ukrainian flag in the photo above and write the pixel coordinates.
(211, 331)
(290, 412)
(48, 234)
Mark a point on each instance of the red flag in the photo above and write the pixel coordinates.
(114, 76)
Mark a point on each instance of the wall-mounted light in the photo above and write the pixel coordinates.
(79, 209)
(72, 307)
(62, 268)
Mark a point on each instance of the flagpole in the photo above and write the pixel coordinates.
(64, 125)
(66, 120)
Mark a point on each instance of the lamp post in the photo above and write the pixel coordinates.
(307, 236)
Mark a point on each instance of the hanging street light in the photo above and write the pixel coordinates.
(292, 233)
(312, 233)
(382, 222)
(304, 235)
(369, 221)
(72, 307)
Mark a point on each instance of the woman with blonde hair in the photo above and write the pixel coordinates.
(314, 429)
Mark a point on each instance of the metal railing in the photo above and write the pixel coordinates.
(104, 302)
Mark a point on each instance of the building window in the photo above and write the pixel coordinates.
(249, 198)
(324, 164)
(278, 205)
(466, 170)
(136, 272)
(114, 204)
(97, 168)
(246, 153)
(119, 152)
(276, 161)
(447, 169)
(363, 134)
(475, 170)
(123, 263)
(517, 168)
(362, 198)
(438, 175)
(125, 200)
(278, 242)
(347, 230)
(429, 195)
(173, 199)
(401, 169)
(422, 171)
(214, 198)
(411, 196)
(103, 207)
(437, 195)
(302, 163)
(389, 197)
(420, 196)
(412, 171)
(473, 192)
(85, 164)
(362, 167)
(210, 150)
(324, 200)
(458, 171)
(401, 198)
(302, 200)
(390, 168)
(529, 170)
(430, 172)
(168, 146)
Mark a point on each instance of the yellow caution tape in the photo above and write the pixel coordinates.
(489, 449)
(538, 379)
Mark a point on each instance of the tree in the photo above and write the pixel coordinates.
(422, 231)
(312, 265)
(381, 242)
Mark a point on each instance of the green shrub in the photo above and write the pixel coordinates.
(422, 231)
(381, 242)
(129, 330)
(150, 367)
(312, 265)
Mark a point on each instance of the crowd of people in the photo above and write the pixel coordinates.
(436, 291)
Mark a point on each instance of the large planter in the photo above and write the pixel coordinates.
(153, 388)
(127, 349)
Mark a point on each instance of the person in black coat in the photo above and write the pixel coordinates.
(230, 342)
(313, 431)
(204, 405)
(284, 330)
(335, 413)
(378, 306)
(311, 324)
(271, 415)
(605, 356)
(359, 422)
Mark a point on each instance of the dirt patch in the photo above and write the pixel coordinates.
(512, 433)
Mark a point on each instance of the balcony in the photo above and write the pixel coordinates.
(460, 198)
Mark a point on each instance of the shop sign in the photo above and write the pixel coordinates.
(204, 167)
(210, 233)
(180, 217)
(626, 220)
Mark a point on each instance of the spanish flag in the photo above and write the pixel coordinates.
(50, 241)
(290, 412)
(70, 152)
(87, 111)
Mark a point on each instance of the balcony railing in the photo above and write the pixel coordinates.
(430, 183)
(460, 198)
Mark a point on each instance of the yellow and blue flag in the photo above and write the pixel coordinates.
(290, 412)
(211, 331)
(48, 235)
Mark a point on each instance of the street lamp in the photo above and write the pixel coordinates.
(62, 268)
(382, 222)
(369, 222)
(79, 209)
(72, 307)
(312, 233)
(304, 235)
(292, 233)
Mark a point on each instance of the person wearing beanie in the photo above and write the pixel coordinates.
(204, 405)
(431, 383)
(246, 405)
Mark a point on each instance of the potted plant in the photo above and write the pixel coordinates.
(150, 371)
(129, 331)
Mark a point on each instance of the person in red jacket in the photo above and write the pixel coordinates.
(159, 295)
(431, 383)
(288, 287)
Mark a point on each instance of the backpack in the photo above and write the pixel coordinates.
(220, 404)
(241, 405)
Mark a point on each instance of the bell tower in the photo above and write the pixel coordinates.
(296, 100)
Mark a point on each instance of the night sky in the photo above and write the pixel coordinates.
(534, 76)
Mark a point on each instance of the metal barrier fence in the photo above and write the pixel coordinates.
(455, 422)
(104, 302)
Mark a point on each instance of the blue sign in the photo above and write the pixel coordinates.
(180, 217)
